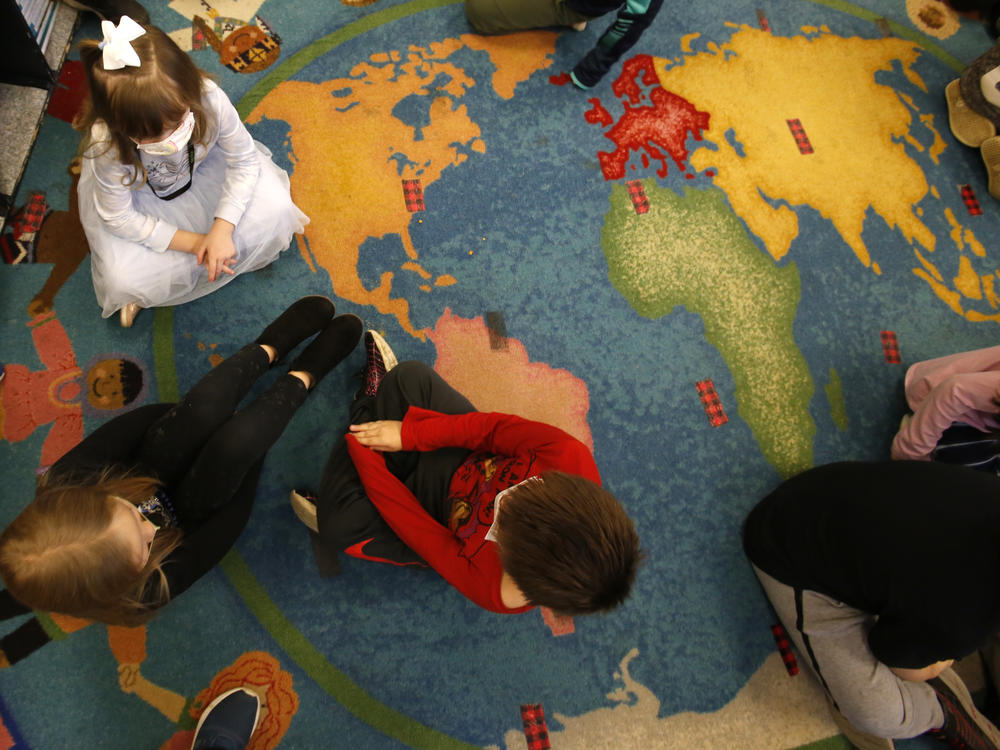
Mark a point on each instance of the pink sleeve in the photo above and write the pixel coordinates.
(963, 397)
(477, 579)
(502, 434)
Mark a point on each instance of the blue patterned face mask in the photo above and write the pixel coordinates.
(158, 510)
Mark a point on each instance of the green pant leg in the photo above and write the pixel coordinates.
(500, 16)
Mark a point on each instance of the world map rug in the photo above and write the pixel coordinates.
(713, 268)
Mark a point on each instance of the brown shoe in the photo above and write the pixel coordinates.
(990, 150)
(969, 127)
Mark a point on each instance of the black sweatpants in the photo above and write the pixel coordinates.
(347, 519)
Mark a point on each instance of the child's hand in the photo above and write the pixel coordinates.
(216, 251)
(385, 435)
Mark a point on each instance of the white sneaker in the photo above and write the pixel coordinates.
(304, 505)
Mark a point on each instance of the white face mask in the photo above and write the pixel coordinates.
(174, 142)
(491, 535)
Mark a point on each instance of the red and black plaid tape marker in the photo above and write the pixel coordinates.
(762, 20)
(535, 731)
(29, 218)
(970, 201)
(413, 194)
(890, 347)
(710, 400)
(785, 649)
(801, 139)
(638, 195)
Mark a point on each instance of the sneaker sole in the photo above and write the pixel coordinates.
(305, 511)
(216, 701)
(385, 351)
(990, 151)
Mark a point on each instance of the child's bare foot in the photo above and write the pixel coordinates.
(579, 26)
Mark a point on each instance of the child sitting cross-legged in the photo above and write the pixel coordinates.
(175, 196)
(509, 511)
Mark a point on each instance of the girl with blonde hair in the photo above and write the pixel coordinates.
(151, 500)
(175, 196)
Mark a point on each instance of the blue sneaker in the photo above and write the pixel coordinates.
(228, 722)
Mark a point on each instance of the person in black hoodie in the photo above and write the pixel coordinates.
(883, 574)
(150, 501)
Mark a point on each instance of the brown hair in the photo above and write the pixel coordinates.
(57, 555)
(568, 544)
(138, 102)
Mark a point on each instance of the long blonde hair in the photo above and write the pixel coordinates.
(59, 556)
(136, 102)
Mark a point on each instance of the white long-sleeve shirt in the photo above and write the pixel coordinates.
(224, 131)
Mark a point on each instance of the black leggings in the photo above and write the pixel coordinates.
(208, 458)
(345, 515)
(201, 450)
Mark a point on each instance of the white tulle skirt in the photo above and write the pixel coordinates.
(125, 271)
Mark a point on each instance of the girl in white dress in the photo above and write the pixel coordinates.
(175, 196)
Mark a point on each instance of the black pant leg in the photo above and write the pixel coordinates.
(416, 384)
(206, 543)
(345, 515)
(173, 440)
(426, 474)
(237, 445)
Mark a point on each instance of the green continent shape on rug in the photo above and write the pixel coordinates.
(351, 151)
(692, 251)
(859, 131)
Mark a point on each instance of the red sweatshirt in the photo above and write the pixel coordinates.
(505, 450)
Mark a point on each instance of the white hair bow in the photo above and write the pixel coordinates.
(117, 45)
